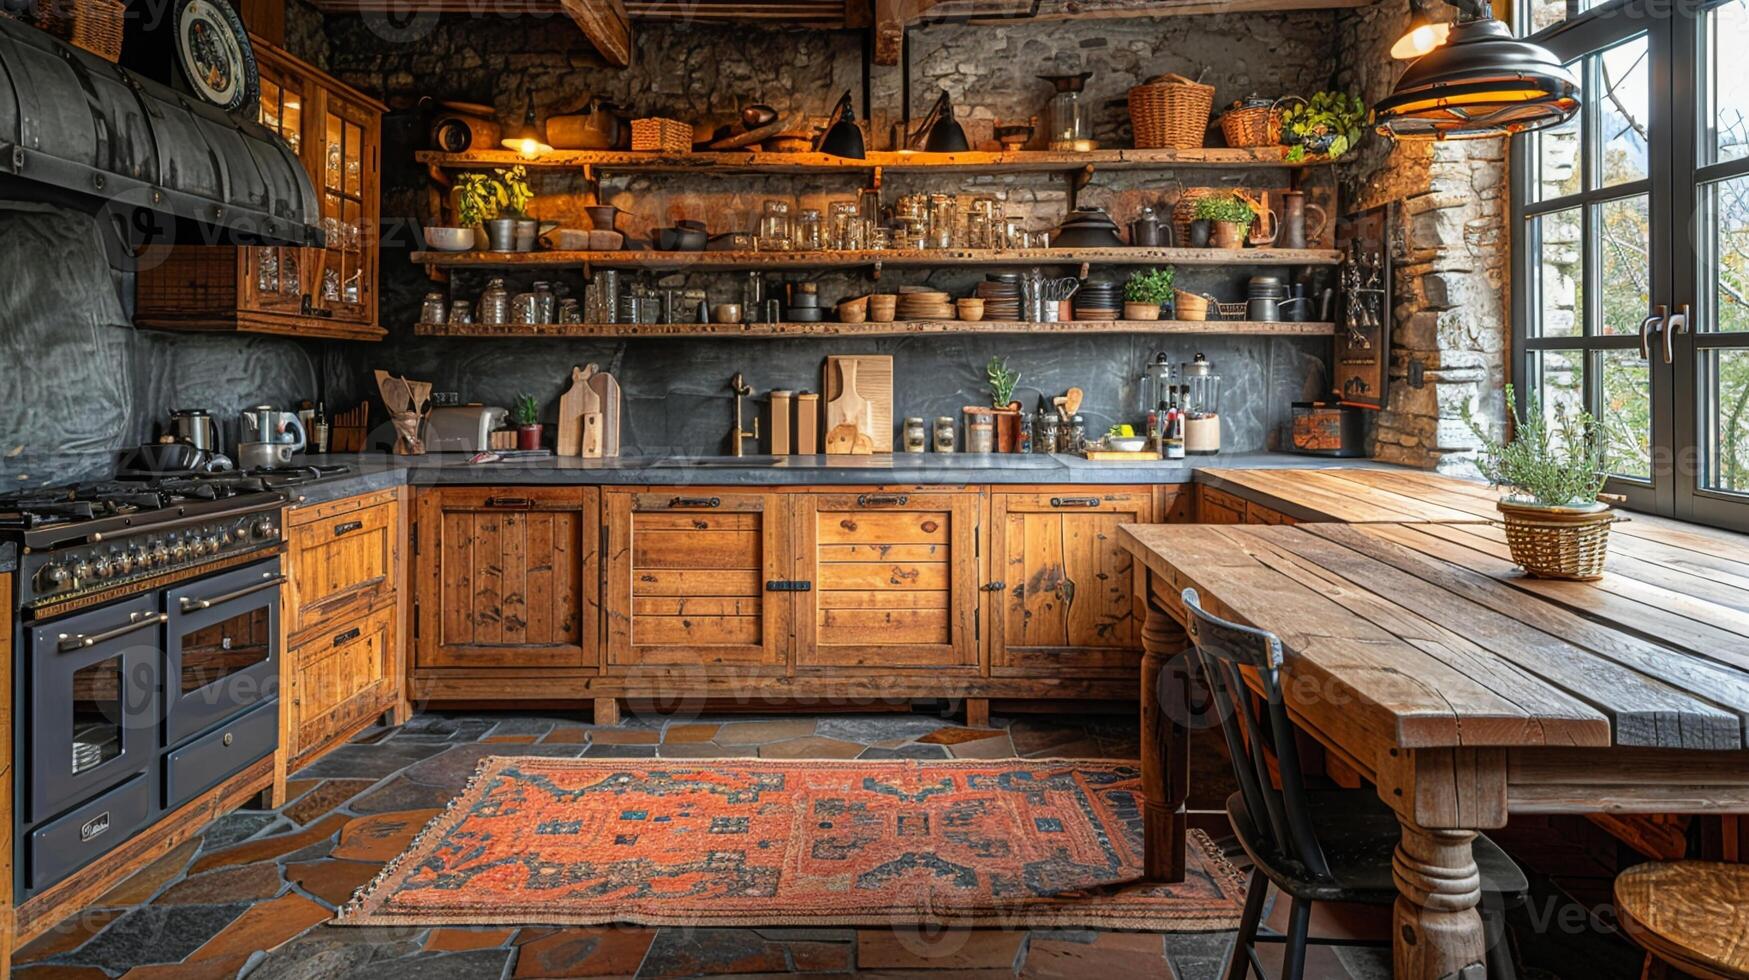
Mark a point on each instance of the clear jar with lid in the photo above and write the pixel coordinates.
(776, 231)
(916, 435)
(944, 434)
(808, 236)
(546, 305)
(980, 429)
(1045, 432)
(1074, 438)
(432, 310)
(525, 308)
(495, 302)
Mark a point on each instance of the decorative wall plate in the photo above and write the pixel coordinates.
(213, 49)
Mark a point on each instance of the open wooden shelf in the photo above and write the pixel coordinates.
(894, 258)
(898, 328)
(743, 162)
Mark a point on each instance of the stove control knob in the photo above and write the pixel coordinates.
(82, 571)
(160, 554)
(55, 577)
(214, 543)
(124, 561)
(197, 546)
(103, 568)
(263, 528)
(178, 551)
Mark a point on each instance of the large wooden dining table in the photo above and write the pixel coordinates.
(1422, 658)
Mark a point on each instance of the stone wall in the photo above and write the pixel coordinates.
(1452, 251)
(677, 389)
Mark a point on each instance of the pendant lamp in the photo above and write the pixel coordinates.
(843, 137)
(1482, 82)
(527, 139)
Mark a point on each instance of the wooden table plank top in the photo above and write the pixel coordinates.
(1442, 642)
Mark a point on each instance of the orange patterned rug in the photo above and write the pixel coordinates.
(746, 842)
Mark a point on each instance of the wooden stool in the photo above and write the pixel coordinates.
(1693, 915)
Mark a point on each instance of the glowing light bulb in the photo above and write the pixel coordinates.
(1419, 41)
(529, 149)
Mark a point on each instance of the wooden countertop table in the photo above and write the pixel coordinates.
(1418, 654)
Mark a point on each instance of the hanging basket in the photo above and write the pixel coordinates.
(1170, 112)
(1251, 126)
(1558, 542)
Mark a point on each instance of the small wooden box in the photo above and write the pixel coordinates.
(807, 423)
(664, 135)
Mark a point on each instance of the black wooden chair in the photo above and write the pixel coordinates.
(1315, 845)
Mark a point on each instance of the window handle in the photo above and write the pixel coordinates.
(1677, 323)
(1646, 330)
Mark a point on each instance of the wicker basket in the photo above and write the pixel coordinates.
(1184, 210)
(1558, 542)
(95, 25)
(1170, 112)
(1256, 126)
(1189, 306)
(665, 135)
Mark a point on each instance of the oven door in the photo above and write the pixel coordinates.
(221, 654)
(93, 702)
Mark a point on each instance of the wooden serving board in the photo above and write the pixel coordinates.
(577, 401)
(1114, 455)
(606, 388)
(874, 388)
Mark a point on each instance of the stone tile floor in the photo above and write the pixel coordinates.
(252, 895)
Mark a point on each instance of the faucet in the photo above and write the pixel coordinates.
(737, 436)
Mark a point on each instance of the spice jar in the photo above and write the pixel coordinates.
(808, 235)
(1074, 438)
(545, 304)
(944, 434)
(980, 429)
(916, 435)
(432, 310)
(1045, 432)
(495, 302)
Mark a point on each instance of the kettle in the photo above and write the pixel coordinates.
(194, 427)
(264, 423)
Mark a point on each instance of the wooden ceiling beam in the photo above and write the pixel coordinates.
(893, 17)
(606, 25)
(1110, 9)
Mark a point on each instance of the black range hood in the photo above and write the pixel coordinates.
(74, 122)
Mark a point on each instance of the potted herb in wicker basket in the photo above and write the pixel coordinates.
(1553, 467)
(1231, 216)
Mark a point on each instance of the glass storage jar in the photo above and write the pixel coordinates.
(944, 434)
(916, 435)
(495, 303)
(980, 429)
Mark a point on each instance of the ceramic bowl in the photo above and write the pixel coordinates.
(970, 309)
(449, 239)
(1126, 444)
(726, 313)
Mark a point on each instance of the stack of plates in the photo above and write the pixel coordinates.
(925, 304)
(1001, 298)
(1097, 301)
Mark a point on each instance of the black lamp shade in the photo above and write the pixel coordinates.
(1482, 83)
(947, 135)
(844, 137)
(527, 138)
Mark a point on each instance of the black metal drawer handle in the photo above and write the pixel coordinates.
(347, 528)
(510, 503)
(781, 585)
(882, 500)
(192, 605)
(696, 502)
(1074, 501)
(138, 621)
(995, 586)
(348, 636)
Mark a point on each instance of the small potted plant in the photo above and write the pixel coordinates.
(475, 202)
(1330, 123)
(1147, 292)
(1553, 469)
(1231, 217)
(526, 415)
(1007, 410)
(516, 197)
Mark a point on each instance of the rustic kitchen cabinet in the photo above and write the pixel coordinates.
(696, 578)
(1064, 594)
(892, 580)
(507, 578)
(308, 292)
(343, 622)
(1218, 507)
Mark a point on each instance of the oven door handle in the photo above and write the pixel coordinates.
(193, 605)
(140, 621)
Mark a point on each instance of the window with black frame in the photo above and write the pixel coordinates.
(1631, 230)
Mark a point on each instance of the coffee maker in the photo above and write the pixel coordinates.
(1202, 406)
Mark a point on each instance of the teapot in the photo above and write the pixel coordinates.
(264, 423)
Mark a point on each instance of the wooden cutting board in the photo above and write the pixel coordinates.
(573, 404)
(606, 388)
(873, 406)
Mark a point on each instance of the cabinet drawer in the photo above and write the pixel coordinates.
(208, 760)
(1259, 514)
(58, 849)
(342, 560)
(339, 678)
(1219, 507)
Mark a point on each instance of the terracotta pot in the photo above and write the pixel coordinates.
(1141, 311)
(1007, 429)
(1229, 234)
(528, 436)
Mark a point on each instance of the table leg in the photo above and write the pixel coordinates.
(1438, 932)
(1165, 747)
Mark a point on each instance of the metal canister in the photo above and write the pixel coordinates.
(916, 435)
(944, 434)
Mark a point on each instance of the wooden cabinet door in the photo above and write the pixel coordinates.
(1064, 593)
(687, 579)
(1218, 507)
(338, 680)
(507, 577)
(894, 580)
(345, 142)
(273, 278)
(342, 557)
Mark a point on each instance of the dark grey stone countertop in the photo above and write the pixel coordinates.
(376, 472)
